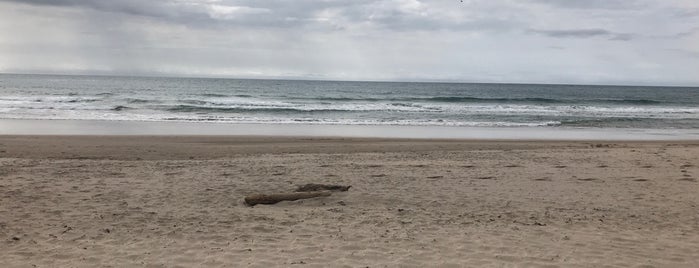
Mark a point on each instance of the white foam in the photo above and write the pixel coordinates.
(421, 114)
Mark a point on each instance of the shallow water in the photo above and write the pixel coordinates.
(100, 127)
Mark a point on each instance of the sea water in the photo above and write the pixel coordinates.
(248, 101)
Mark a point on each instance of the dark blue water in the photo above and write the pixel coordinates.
(351, 103)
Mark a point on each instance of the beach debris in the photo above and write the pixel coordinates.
(313, 187)
(306, 191)
(269, 199)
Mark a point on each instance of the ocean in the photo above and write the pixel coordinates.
(248, 101)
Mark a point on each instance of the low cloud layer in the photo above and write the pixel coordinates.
(537, 41)
(584, 33)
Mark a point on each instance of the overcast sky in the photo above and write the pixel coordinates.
(653, 42)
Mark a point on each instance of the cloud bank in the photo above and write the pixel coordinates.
(531, 41)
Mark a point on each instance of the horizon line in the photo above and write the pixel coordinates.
(295, 78)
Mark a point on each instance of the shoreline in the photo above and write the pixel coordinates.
(145, 128)
(200, 147)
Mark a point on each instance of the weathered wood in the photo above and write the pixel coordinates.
(312, 187)
(268, 199)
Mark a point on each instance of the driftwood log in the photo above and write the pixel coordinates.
(255, 199)
(313, 187)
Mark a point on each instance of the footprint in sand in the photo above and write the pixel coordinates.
(512, 166)
(560, 166)
(486, 178)
(688, 179)
(378, 175)
(435, 177)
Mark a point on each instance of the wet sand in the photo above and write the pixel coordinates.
(155, 201)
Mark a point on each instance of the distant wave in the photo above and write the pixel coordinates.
(597, 121)
(454, 99)
(487, 100)
(216, 95)
(135, 100)
(78, 100)
(49, 99)
(194, 108)
(213, 95)
(627, 101)
(276, 120)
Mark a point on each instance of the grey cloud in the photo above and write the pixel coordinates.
(208, 13)
(191, 13)
(685, 33)
(621, 36)
(584, 33)
(677, 35)
(687, 13)
(592, 4)
(155, 8)
(359, 39)
(286, 14)
(684, 52)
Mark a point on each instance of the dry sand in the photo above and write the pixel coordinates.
(178, 201)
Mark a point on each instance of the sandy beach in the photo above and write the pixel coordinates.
(177, 201)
